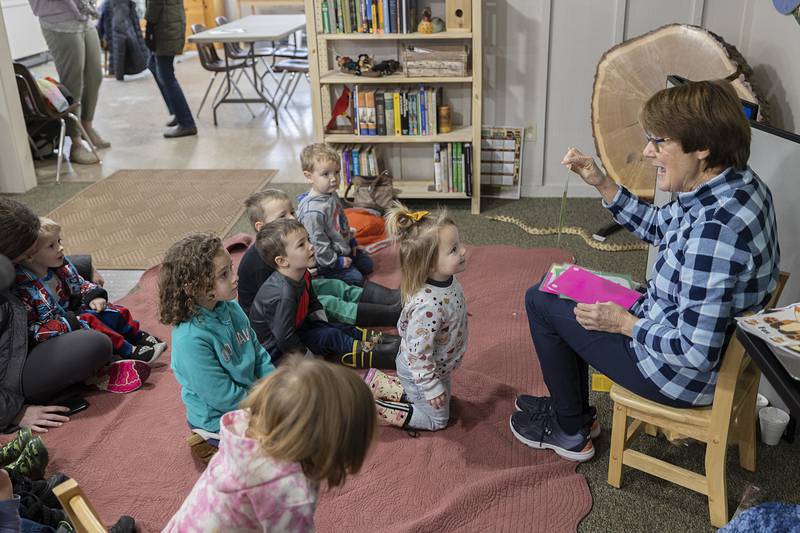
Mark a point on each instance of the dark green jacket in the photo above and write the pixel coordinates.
(168, 21)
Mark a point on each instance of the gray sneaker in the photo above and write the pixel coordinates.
(539, 404)
(541, 430)
(80, 155)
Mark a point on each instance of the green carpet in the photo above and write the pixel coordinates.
(644, 503)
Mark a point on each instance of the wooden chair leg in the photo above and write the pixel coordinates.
(746, 434)
(619, 424)
(717, 486)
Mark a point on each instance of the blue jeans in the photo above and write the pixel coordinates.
(353, 275)
(424, 416)
(164, 72)
(323, 338)
(565, 350)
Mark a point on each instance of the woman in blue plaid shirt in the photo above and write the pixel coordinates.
(717, 258)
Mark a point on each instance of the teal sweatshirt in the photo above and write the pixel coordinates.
(216, 358)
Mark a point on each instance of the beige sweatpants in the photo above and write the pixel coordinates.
(77, 59)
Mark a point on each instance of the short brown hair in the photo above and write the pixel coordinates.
(186, 273)
(315, 413)
(318, 152)
(254, 204)
(19, 228)
(701, 115)
(271, 238)
(418, 233)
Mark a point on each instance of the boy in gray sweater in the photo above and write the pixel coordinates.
(322, 213)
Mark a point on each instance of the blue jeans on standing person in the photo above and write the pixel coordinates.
(354, 274)
(565, 350)
(164, 72)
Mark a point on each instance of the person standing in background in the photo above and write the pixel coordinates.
(165, 36)
(69, 30)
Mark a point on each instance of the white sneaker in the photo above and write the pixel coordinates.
(80, 155)
(98, 142)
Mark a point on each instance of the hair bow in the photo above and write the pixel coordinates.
(418, 215)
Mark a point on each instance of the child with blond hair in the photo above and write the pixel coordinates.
(277, 450)
(433, 323)
(370, 305)
(216, 356)
(322, 213)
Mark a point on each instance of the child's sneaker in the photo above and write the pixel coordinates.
(121, 377)
(33, 460)
(148, 353)
(383, 386)
(541, 430)
(394, 413)
(155, 343)
(11, 451)
(540, 404)
(376, 337)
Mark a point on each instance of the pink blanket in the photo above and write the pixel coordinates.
(128, 452)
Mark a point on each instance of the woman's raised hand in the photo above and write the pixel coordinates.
(584, 166)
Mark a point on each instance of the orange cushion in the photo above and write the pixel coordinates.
(370, 228)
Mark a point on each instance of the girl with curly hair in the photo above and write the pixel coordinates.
(216, 357)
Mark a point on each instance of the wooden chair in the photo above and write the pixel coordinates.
(730, 419)
(78, 507)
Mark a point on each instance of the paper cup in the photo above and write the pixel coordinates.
(773, 422)
(761, 402)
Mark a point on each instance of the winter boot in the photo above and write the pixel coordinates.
(394, 413)
(378, 294)
(32, 461)
(42, 489)
(375, 337)
(383, 386)
(370, 355)
(370, 314)
(200, 448)
(125, 524)
(10, 452)
(34, 509)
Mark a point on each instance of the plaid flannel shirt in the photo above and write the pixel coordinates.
(717, 257)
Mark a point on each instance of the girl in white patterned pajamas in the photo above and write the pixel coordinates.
(432, 325)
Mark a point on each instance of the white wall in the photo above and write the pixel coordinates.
(541, 56)
(16, 165)
(24, 34)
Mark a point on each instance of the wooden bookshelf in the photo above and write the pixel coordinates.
(325, 78)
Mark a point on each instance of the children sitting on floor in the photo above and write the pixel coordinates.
(286, 315)
(433, 323)
(307, 422)
(372, 305)
(59, 300)
(322, 213)
(216, 357)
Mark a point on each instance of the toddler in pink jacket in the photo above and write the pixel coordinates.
(270, 463)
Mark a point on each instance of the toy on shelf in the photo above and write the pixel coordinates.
(425, 25)
(364, 66)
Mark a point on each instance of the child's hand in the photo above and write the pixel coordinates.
(438, 402)
(98, 304)
(41, 417)
(346, 262)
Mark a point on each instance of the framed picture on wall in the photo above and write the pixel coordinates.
(501, 161)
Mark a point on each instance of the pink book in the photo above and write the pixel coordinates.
(586, 287)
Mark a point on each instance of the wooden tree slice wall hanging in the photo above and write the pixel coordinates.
(631, 72)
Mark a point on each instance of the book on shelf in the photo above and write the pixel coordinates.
(380, 113)
(357, 160)
(388, 107)
(369, 16)
(437, 167)
(372, 128)
(468, 168)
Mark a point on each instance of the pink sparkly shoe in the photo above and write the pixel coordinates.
(121, 377)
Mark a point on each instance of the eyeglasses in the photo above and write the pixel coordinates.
(656, 141)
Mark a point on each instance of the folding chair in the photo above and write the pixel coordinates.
(210, 61)
(38, 114)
